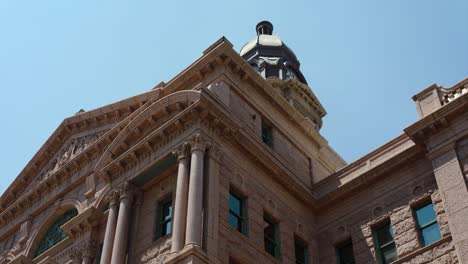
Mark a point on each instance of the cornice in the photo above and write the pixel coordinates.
(440, 119)
(366, 170)
(83, 222)
(110, 114)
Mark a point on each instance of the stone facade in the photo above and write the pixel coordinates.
(151, 176)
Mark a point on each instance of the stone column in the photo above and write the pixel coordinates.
(110, 229)
(180, 212)
(195, 193)
(453, 191)
(119, 249)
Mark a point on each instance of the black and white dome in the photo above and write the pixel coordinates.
(270, 56)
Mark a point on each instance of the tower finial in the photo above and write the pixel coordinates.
(264, 27)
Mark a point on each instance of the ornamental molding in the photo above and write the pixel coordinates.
(159, 114)
(68, 151)
(437, 121)
(83, 223)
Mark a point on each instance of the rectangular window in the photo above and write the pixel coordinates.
(384, 240)
(267, 134)
(164, 222)
(427, 225)
(345, 253)
(300, 250)
(271, 236)
(237, 212)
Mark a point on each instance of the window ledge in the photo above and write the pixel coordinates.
(422, 250)
(54, 249)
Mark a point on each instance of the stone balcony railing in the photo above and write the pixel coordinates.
(435, 96)
(448, 95)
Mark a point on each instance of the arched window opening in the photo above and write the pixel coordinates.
(55, 234)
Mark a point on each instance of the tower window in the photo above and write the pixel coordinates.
(300, 250)
(271, 236)
(345, 253)
(428, 227)
(164, 222)
(384, 240)
(267, 134)
(237, 212)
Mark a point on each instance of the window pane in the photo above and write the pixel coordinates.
(234, 221)
(345, 254)
(54, 234)
(269, 229)
(385, 234)
(389, 253)
(425, 215)
(270, 247)
(234, 204)
(300, 252)
(270, 237)
(164, 218)
(165, 228)
(267, 136)
(167, 211)
(430, 234)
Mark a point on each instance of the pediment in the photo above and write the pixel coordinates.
(75, 145)
(70, 139)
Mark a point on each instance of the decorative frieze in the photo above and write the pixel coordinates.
(71, 149)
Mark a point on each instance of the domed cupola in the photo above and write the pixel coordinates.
(269, 55)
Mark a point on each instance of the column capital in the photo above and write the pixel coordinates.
(126, 190)
(113, 198)
(199, 142)
(181, 151)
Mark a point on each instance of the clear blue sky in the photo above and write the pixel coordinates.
(363, 59)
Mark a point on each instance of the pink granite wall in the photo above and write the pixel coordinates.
(262, 195)
(390, 199)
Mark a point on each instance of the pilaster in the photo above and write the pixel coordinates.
(212, 207)
(453, 190)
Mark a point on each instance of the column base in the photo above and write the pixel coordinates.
(190, 254)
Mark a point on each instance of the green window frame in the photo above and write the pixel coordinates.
(427, 225)
(384, 242)
(300, 251)
(237, 212)
(164, 218)
(344, 253)
(271, 236)
(267, 134)
(55, 234)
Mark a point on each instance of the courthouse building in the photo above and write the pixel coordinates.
(225, 163)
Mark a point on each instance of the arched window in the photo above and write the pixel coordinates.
(54, 234)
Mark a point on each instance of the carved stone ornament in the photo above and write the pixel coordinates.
(181, 151)
(126, 190)
(113, 198)
(199, 142)
(71, 149)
